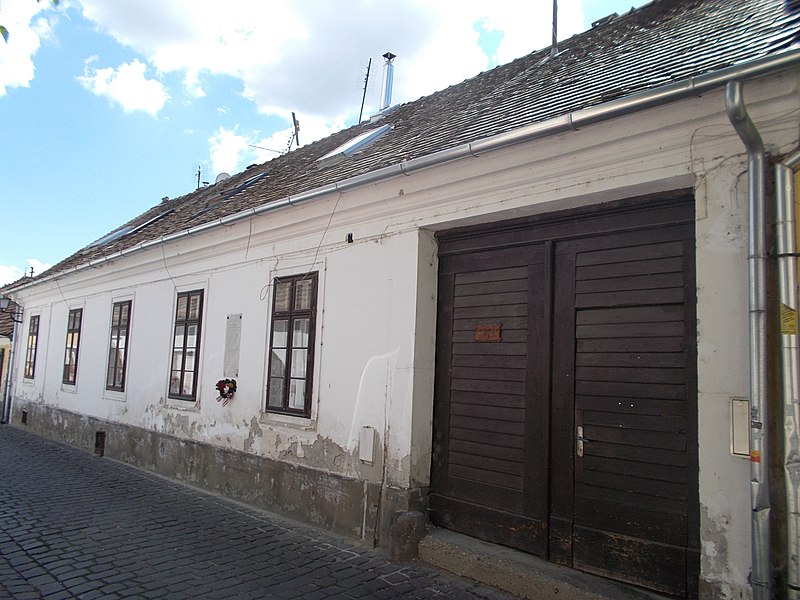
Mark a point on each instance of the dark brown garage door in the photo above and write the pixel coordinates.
(565, 419)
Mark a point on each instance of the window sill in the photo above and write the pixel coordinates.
(114, 395)
(70, 388)
(187, 405)
(290, 421)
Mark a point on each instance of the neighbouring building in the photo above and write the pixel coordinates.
(546, 306)
(7, 318)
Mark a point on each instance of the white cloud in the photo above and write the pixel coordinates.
(38, 266)
(226, 148)
(26, 32)
(10, 273)
(231, 151)
(127, 85)
(310, 57)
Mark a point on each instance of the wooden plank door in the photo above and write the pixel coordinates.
(624, 362)
(489, 475)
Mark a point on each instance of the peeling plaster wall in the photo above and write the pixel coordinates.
(377, 301)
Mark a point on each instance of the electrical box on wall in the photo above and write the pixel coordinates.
(366, 445)
(740, 426)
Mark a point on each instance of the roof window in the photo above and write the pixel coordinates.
(354, 145)
(128, 229)
(110, 237)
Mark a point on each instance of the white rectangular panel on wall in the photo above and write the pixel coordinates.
(233, 340)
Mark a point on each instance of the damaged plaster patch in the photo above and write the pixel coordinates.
(719, 578)
(254, 432)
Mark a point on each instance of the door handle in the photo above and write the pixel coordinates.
(579, 440)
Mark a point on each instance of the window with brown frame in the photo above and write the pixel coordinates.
(70, 372)
(118, 346)
(186, 346)
(291, 347)
(30, 350)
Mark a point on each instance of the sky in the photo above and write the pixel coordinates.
(107, 107)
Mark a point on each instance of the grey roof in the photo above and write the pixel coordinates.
(662, 42)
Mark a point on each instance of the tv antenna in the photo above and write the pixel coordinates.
(364, 95)
(205, 183)
(295, 133)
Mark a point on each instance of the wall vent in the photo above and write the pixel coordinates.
(100, 443)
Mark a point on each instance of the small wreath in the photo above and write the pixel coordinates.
(226, 388)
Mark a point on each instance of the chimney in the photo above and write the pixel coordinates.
(388, 79)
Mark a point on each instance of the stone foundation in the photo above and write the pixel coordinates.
(360, 510)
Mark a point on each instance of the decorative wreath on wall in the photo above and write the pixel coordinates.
(226, 388)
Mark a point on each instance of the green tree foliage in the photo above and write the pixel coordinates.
(4, 30)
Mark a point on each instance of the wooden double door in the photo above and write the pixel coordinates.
(565, 412)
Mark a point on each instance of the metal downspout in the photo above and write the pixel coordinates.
(761, 576)
(787, 264)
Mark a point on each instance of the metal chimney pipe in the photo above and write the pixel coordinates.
(388, 80)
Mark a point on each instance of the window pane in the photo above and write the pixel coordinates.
(297, 394)
(180, 314)
(177, 359)
(180, 331)
(299, 358)
(302, 294)
(175, 383)
(194, 307)
(115, 315)
(282, 294)
(191, 336)
(275, 392)
(300, 335)
(188, 384)
(277, 364)
(280, 338)
(110, 374)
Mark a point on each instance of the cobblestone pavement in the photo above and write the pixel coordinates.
(73, 525)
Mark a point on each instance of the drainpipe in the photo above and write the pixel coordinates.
(787, 264)
(761, 576)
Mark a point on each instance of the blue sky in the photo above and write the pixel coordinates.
(107, 107)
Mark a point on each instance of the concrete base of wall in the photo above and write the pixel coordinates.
(360, 510)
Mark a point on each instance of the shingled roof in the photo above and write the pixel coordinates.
(662, 42)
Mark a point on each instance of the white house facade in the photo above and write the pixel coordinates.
(543, 340)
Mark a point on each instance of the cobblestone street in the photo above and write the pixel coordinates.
(73, 525)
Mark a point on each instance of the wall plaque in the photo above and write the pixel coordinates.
(487, 333)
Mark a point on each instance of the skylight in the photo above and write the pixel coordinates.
(152, 220)
(123, 231)
(110, 237)
(357, 143)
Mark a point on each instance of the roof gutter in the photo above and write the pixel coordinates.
(679, 90)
